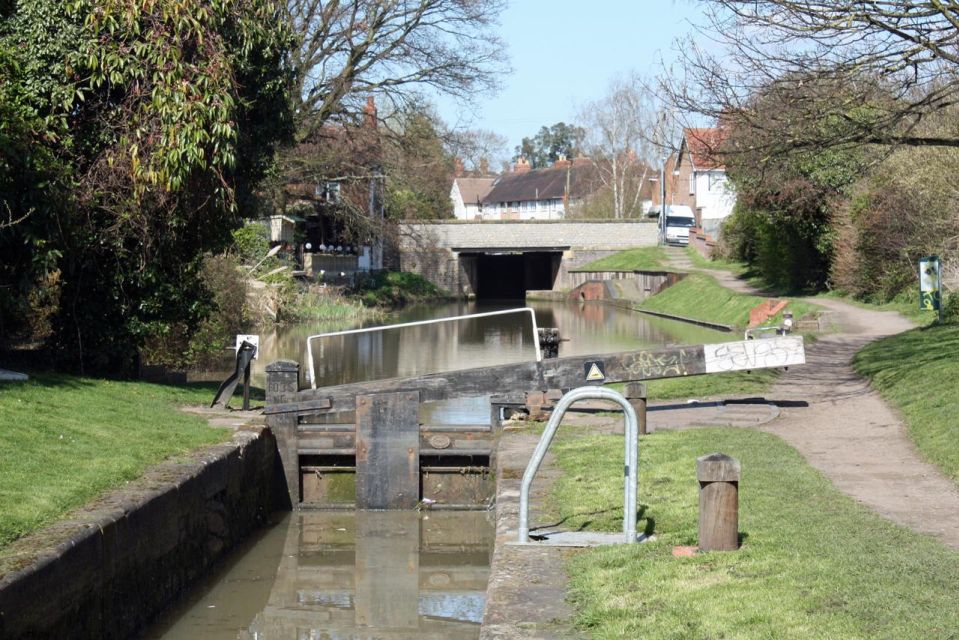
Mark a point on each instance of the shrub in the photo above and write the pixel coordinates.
(251, 242)
(228, 313)
(902, 211)
(396, 288)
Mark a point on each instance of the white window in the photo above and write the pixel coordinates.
(692, 183)
(717, 180)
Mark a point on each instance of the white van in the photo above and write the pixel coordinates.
(679, 218)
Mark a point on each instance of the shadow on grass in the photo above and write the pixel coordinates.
(64, 381)
(256, 393)
(648, 530)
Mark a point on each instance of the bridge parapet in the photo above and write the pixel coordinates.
(442, 250)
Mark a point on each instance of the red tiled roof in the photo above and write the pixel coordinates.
(703, 144)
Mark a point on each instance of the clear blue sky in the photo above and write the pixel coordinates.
(565, 52)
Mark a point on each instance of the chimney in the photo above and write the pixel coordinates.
(369, 112)
(522, 166)
(458, 168)
(562, 161)
(484, 166)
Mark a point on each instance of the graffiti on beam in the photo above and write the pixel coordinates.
(754, 354)
(647, 365)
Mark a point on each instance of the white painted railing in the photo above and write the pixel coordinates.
(469, 316)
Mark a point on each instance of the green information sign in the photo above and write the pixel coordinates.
(930, 284)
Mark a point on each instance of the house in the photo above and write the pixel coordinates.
(700, 178)
(539, 194)
(467, 195)
(331, 214)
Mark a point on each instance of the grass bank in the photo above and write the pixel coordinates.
(641, 259)
(66, 439)
(699, 297)
(396, 289)
(916, 372)
(814, 564)
(330, 307)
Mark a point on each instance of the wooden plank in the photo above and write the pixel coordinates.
(300, 405)
(566, 373)
(387, 451)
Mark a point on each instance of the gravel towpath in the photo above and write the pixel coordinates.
(846, 430)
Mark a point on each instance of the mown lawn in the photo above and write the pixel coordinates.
(916, 372)
(813, 564)
(700, 297)
(66, 439)
(641, 259)
(739, 384)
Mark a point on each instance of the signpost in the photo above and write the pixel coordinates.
(930, 285)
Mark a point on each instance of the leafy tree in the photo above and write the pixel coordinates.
(418, 168)
(163, 115)
(785, 203)
(903, 210)
(550, 143)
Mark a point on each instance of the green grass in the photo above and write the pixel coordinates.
(906, 304)
(700, 297)
(64, 440)
(397, 288)
(717, 385)
(916, 372)
(322, 307)
(736, 268)
(814, 563)
(642, 259)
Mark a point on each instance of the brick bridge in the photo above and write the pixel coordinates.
(504, 259)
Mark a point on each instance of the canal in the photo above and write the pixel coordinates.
(329, 575)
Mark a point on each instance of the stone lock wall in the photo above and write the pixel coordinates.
(112, 566)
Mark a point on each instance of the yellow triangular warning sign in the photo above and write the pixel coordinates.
(595, 373)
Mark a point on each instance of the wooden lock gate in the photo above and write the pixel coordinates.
(372, 431)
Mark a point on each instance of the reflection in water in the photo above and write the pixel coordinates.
(591, 328)
(335, 575)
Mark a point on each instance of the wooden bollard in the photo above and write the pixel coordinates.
(636, 395)
(718, 476)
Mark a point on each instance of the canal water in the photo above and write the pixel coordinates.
(588, 328)
(330, 575)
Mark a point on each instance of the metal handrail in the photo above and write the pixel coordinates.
(631, 456)
(532, 315)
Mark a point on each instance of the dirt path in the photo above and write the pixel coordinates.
(847, 431)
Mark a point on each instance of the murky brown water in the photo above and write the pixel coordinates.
(332, 575)
(336, 575)
(590, 328)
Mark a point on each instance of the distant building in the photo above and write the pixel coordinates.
(702, 178)
(467, 195)
(539, 194)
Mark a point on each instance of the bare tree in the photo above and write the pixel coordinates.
(479, 149)
(618, 128)
(394, 49)
(872, 71)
